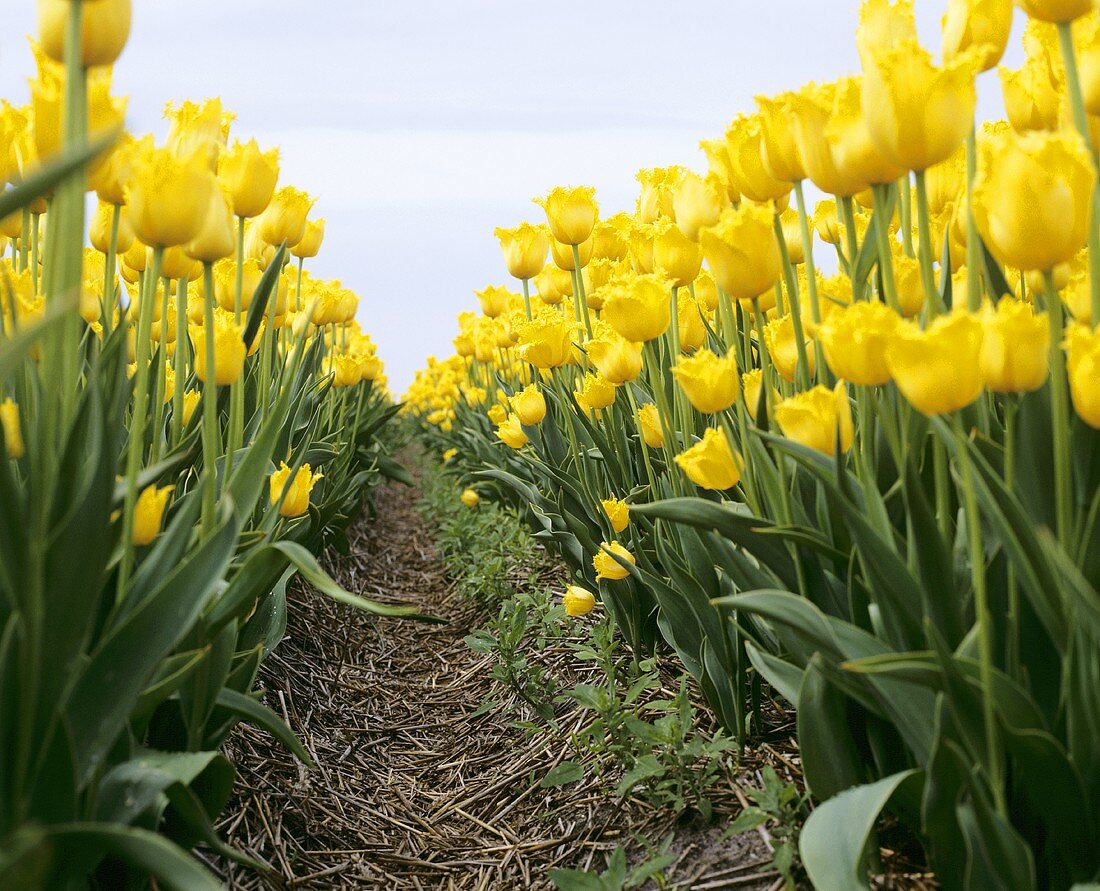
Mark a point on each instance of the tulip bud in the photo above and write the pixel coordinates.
(529, 405)
(13, 431)
(229, 349)
(605, 564)
(617, 359)
(649, 424)
(1015, 355)
(578, 601)
(937, 369)
(1083, 367)
(697, 202)
(294, 491)
(639, 308)
(708, 380)
(571, 213)
(596, 392)
(99, 232)
(470, 498)
(617, 512)
(818, 419)
(310, 245)
(511, 432)
(285, 217)
(190, 402)
(855, 338)
(104, 30)
(217, 239)
(675, 255)
(167, 198)
(524, 249)
(249, 176)
(742, 252)
(711, 463)
(981, 25)
(149, 513)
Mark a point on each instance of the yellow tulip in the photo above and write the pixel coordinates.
(470, 498)
(709, 381)
(571, 213)
(511, 432)
(917, 113)
(498, 414)
(562, 254)
(697, 202)
(199, 129)
(1032, 197)
(675, 255)
(190, 403)
(297, 489)
(249, 176)
(711, 463)
(938, 369)
(285, 217)
(310, 245)
(1015, 355)
(494, 300)
(655, 200)
(1032, 93)
(818, 418)
(1055, 10)
(618, 513)
(752, 383)
(449, 455)
(692, 330)
(779, 337)
(649, 423)
(853, 151)
(742, 251)
(720, 166)
(980, 25)
(641, 247)
(605, 564)
(617, 359)
(578, 601)
(99, 231)
(780, 155)
(792, 237)
(812, 108)
(218, 238)
(13, 431)
(744, 144)
(524, 249)
(104, 29)
(884, 23)
(229, 349)
(855, 338)
(639, 308)
(529, 405)
(1083, 367)
(596, 392)
(553, 284)
(610, 237)
(167, 198)
(546, 341)
(149, 513)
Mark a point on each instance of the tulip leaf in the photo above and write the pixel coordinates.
(259, 714)
(257, 308)
(50, 174)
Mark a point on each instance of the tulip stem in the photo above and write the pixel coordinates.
(526, 297)
(1012, 641)
(973, 240)
(885, 254)
(803, 373)
(209, 407)
(581, 297)
(847, 214)
(236, 392)
(178, 365)
(905, 205)
(109, 266)
(924, 235)
(807, 251)
(1059, 407)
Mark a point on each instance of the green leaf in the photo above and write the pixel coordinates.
(259, 714)
(562, 775)
(52, 172)
(834, 840)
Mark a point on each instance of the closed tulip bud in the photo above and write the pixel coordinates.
(617, 359)
(190, 402)
(655, 198)
(742, 252)
(782, 346)
(937, 369)
(1032, 196)
(818, 419)
(562, 254)
(546, 341)
(578, 601)
(294, 491)
(675, 255)
(910, 289)
(218, 238)
(639, 308)
(99, 232)
(229, 349)
(917, 113)
(1015, 356)
(553, 284)
(571, 213)
(596, 392)
(494, 300)
(979, 25)
(855, 338)
(711, 463)
(745, 146)
(709, 381)
(13, 430)
(649, 424)
(697, 202)
(176, 265)
(167, 198)
(1055, 10)
(781, 155)
(104, 30)
(470, 498)
(529, 405)
(792, 237)
(692, 330)
(524, 249)
(284, 221)
(1083, 367)
(249, 176)
(605, 564)
(812, 108)
(310, 245)
(511, 432)
(752, 385)
(853, 151)
(706, 291)
(617, 512)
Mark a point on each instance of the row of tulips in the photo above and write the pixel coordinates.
(188, 418)
(877, 491)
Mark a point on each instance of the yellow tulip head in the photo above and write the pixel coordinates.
(640, 307)
(674, 254)
(779, 336)
(617, 512)
(711, 463)
(611, 237)
(190, 402)
(744, 144)
(742, 251)
(1055, 10)
(818, 419)
(249, 176)
(104, 30)
(562, 254)
(494, 300)
(198, 129)
(470, 498)
(1032, 197)
(596, 392)
(285, 217)
(697, 202)
(218, 237)
(855, 338)
(605, 564)
(1015, 356)
(1083, 366)
(709, 381)
(529, 405)
(752, 384)
(655, 200)
(937, 369)
(294, 491)
(149, 513)
(310, 245)
(524, 249)
(167, 198)
(854, 153)
(578, 601)
(781, 155)
(553, 284)
(511, 432)
(229, 349)
(617, 359)
(546, 341)
(981, 25)
(12, 429)
(571, 213)
(812, 108)
(649, 425)
(692, 330)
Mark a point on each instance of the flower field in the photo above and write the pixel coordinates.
(760, 520)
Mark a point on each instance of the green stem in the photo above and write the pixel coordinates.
(1059, 406)
(973, 240)
(924, 233)
(885, 255)
(803, 372)
(109, 270)
(210, 449)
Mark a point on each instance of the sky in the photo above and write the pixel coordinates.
(421, 126)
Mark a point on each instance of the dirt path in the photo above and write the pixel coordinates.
(410, 791)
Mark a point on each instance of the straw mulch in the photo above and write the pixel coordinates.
(413, 792)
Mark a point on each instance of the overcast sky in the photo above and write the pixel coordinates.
(422, 125)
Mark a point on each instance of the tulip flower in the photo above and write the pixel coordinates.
(781, 155)
(697, 202)
(149, 513)
(12, 429)
(709, 381)
(639, 307)
(1057, 11)
(524, 249)
(284, 221)
(470, 498)
(782, 344)
(1015, 355)
(938, 369)
(562, 254)
(217, 239)
(752, 382)
(742, 252)
(855, 339)
(711, 463)
(1032, 197)
(198, 129)
(689, 320)
(659, 184)
(529, 405)
(294, 491)
(675, 255)
(310, 245)
(190, 403)
(818, 418)
(494, 300)
(618, 513)
(104, 30)
(229, 349)
(979, 25)
(571, 213)
(511, 432)
(596, 392)
(649, 423)
(605, 564)
(812, 108)
(1083, 367)
(744, 143)
(578, 601)
(167, 198)
(249, 176)
(617, 359)
(497, 414)
(610, 237)
(553, 284)
(546, 341)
